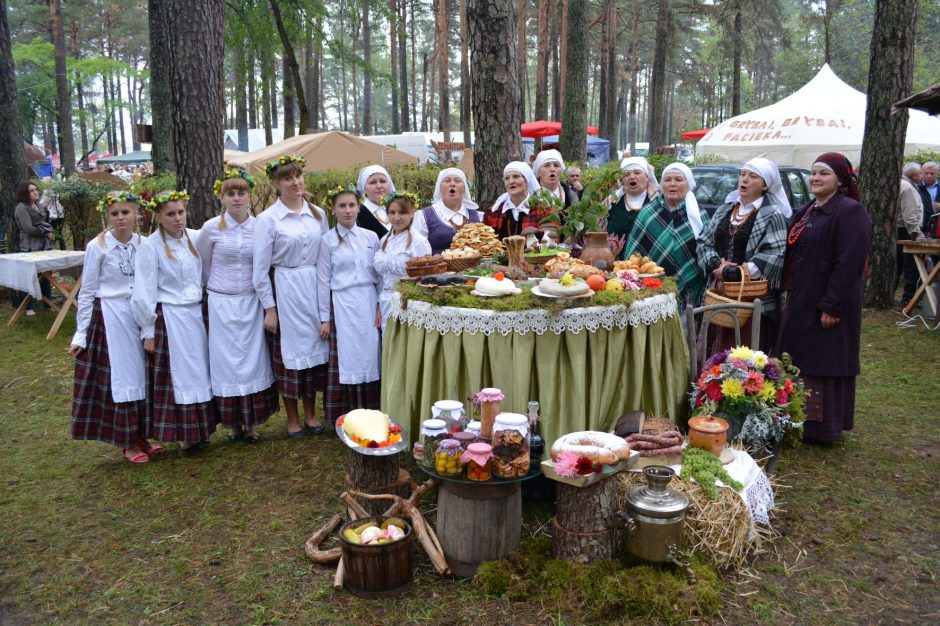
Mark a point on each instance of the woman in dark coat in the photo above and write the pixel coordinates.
(823, 278)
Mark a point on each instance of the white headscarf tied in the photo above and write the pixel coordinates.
(691, 204)
(766, 169)
(526, 171)
(547, 156)
(368, 171)
(636, 163)
(438, 201)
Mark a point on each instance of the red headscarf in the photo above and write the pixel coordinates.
(848, 180)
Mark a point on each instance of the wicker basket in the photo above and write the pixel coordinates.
(746, 289)
(463, 263)
(426, 270)
(539, 261)
(725, 319)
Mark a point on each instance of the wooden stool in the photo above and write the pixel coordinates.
(584, 529)
(376, 475)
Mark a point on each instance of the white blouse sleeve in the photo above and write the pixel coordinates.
(324, 275)
(261, 261)
(146, 277)
(420, 247)
(419, 224)
(86, 293)
(204, 243)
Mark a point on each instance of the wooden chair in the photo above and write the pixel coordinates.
(699, 354)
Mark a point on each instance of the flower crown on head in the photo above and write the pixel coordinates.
(283, 160)
(170, 196)
(407, 195)
(233, 173)
(124, 196)
(335, 191)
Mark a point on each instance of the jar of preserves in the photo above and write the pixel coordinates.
(511, 445)
(447, 458)
(432, 433)
(491, 402)
(473, 426)
(465, 438)
(477, 460)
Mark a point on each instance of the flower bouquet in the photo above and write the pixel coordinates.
(761, 397)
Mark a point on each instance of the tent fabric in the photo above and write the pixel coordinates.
(331, 150)
(543, 128)
(598, 149)
(695, 135)
(825, 115)
(140, 156)
(231, 156)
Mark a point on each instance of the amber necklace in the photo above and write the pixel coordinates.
(735, 215)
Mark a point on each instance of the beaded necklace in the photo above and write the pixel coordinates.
(797, 230)
(732, 228)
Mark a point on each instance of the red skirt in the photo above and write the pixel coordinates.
(247, 411)
(340, 399)
(290, 383)
(95, 415)
(188, 423)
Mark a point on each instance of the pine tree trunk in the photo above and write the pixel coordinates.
(252, 91)
(355, 83)
(287, 98)
(890, 76)
(393, 62)
(241, 101)
(522, 60)
(13, 168)
(198, 110)
(135, 143)
(465, 76)
(657, 100)
(497, 111)
(403, 91)
(291, 75)
(120, 112)
(80, 98)
(266, 99)
(443, 80)
(736, 62)
(573, 143)
(555, 80)
(613, 82)
(63, 97)
(367, 70)
(604, 85)
(541, 67)
(272, 86)
(563, 57)
(162, 152)
(316, 77)
(414, 60)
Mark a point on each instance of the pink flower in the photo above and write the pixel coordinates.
(566, 465)
(754, 382)
(788, 385)
(782, 397)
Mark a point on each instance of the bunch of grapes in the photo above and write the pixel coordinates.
(706, 468)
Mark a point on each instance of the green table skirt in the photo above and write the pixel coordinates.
(583, 381)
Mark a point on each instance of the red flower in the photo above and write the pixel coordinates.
(652, 283)
(584, 466)
(598, 468)
(394, 429)
(788, 385)
(782, 396)
(714, 391)
(699, 400)
(373, 444)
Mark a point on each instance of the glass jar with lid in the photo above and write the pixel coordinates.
(511, 445)
(447, 458)
(477, 459)
(432, 433)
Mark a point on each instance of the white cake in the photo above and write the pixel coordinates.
(491, 287)
(366, 424)
(554, 287)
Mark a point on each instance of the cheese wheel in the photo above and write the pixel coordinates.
(597, 446)
(367, 424)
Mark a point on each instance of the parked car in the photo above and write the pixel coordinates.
(715, 181)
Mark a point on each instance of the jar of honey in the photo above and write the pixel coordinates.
(477, 459)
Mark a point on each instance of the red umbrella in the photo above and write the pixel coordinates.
(592, 130)
(695, 135)
(542, 128)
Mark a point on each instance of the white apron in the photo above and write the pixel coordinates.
(357, 338)
(125, 350)
(189, 353)
(298, 317)
(385, 303)
(238, 354)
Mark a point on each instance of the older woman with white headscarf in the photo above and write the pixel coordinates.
(374, 182)
(451, 208)
(750, 231)
(666, 230)
(637, 189)
(548, 166)
(511, 213)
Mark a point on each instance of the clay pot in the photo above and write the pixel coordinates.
(595, 249)
(708, 433)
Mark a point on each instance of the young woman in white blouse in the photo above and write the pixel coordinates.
(239, 363)
(284, 273)
(399, 245)
(110, 390)
(373, 183)
(346, 267)
(167, 304)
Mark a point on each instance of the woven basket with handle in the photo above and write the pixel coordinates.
(746, 289)
(735, 292)
(463, 263)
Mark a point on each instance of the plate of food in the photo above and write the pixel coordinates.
(370, 432)
(565, 288)
(495, 286)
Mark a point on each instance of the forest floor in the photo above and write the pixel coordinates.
(86, 538)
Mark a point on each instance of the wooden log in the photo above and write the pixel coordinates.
(312, 545)
(584, 548)
(376, 475)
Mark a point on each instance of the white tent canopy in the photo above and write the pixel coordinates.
(825, 115)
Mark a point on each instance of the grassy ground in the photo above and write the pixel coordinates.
(86, 538)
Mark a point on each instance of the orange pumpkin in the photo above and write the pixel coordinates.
(597, 282)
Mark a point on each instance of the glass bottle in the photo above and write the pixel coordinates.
(537, 442)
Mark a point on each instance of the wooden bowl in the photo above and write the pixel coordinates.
(426, 270)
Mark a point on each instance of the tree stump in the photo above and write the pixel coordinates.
(584, 529)
(376, 475)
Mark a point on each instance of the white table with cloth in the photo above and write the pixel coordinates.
(22, 271)
(586, 366)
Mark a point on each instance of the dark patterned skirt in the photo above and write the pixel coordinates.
(290, 383)
(187, 423)
(341, 399)
(247, 411)
(95, 415)
(830, 409)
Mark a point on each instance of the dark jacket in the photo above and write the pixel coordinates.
(928, 206)
(366, 220)
(34, 229)
(824, 273)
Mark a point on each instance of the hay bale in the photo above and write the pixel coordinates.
(718, 530)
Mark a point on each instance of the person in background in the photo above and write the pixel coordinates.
(374, 182)
(910, 217)
(451, 208)
(511, 214)
(547, 167)
(821, 296)
(573, 178)
(54, 211)
(36, 234)
(637, 189)
(930, 192)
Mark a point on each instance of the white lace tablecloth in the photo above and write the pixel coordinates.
(21, 270)
(448, 319)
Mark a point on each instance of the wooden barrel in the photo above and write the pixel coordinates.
(477, 523)
(380, 570)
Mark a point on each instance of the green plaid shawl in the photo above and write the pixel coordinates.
(667, 238)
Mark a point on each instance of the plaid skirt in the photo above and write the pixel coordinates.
(830, 409)
(247, 411)
(290, 383)
(95, 415)
(188, 423)
(340, 399)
